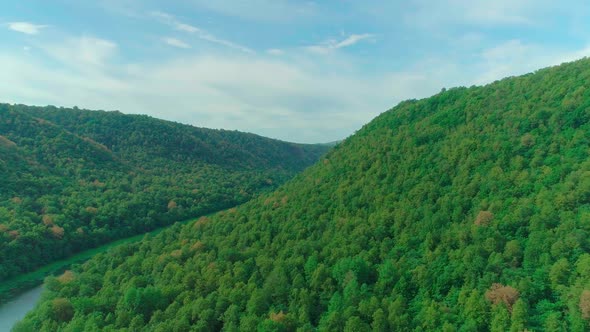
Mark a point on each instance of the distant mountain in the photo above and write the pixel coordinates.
(73, 179)
(466, 211)
(140, 139)
(331, 144)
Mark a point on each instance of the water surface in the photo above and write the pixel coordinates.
(15, 310)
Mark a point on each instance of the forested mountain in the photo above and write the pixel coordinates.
(466, 211)
(73, 179)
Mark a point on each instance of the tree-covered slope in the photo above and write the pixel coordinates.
(144, 140)
(73, 179)
(466, 211)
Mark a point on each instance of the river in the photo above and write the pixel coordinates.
(13, 311)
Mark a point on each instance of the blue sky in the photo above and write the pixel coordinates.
(304, 71)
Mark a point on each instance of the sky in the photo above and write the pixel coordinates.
(300, 71)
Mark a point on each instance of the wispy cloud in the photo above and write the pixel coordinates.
(516, 57)
(275, 51)
(175, 42)
(84, 53)
(352, 39)
(276, 11)
(429, 13)
(208, 37)
(26, 27)
(332, 45)
(198, 32)
(175, 23)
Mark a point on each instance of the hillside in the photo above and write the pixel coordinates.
(466, 211)
(73, 179)
(143, 140)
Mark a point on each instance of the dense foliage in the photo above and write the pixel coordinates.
(72, 179)
(466, 211)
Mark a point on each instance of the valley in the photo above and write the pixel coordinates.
(76, 179)
(465, 211)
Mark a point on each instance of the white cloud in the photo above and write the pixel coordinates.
(352, 39)
(199, 33)
(208, 37)
(82, 56)
(507, 50)
(83, 53)
(270, 97)
(36, 83)
(275, 51)
(187, 28)
(434, 14)
(26, 27)
(276, 11)
(175, 42)
(171, 20)
(331, 45)
(515, 57)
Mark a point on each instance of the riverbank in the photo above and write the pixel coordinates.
(12, 288)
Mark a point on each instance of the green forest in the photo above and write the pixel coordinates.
(465, 211)
(74, 179)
